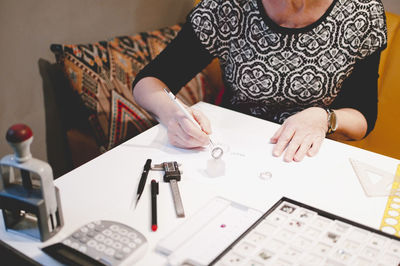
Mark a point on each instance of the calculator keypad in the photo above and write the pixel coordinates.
(107, 241)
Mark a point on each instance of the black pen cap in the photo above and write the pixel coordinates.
(154, 187)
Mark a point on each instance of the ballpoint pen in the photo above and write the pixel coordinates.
(154, 193)
(216, 151)
(142, 181)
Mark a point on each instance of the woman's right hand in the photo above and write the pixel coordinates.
(183, 133)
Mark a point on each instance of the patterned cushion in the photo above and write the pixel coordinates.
(102, 74)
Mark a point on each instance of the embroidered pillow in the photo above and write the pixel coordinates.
(101, 75)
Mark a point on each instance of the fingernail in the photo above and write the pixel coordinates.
(288, 160)
(297, 159)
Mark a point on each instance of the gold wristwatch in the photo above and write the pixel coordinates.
(332, 121)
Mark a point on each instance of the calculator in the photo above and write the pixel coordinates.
(100, 243)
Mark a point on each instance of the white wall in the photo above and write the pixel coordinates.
(392, 6)
(27, 28)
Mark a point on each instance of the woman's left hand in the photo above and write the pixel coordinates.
(301, 134)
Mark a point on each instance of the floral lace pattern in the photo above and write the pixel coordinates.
(274, 72)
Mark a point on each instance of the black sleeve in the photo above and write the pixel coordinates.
(179, 62)
(360, 90)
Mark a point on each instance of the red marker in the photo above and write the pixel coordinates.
(154, 193)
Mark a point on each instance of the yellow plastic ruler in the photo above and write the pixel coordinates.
(391, 217)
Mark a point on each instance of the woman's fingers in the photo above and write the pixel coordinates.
(303, 148)
(277, 134)
(316, 145)
(202, 120)
(178, 137)
(292, 148)
(283, 140)
(183, 133)
(300, 135)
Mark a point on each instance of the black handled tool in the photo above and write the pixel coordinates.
(143, 179)
(154, 193)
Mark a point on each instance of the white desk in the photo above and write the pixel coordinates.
(104, 187)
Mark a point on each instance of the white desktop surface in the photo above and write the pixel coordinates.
(105, 187)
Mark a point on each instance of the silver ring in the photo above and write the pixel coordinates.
(265, 175)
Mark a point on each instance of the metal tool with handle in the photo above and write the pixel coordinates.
(172, 176)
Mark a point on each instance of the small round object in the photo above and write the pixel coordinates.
(265, 175)
(341, 251)
(393, 213)
(217, 152)
(18, 133)
(395, 206)
(389, 230)
(396, 199)
(391, 221)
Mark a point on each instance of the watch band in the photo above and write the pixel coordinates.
(332, 121)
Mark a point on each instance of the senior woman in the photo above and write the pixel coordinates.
(310, 65)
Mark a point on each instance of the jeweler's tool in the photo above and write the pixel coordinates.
(216, 151)
(172, 176)
(143, 179)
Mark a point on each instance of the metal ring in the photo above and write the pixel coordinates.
(217, 152)
(265, 175)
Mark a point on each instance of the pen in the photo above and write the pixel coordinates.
(154, 193)
(142, 181)
(216, 151)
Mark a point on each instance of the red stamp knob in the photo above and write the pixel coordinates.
(18, 133)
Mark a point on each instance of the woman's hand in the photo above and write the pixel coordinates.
(183, 133)
(301, 134)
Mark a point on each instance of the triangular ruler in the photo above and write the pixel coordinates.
(374, 181)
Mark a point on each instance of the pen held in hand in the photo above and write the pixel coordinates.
(216, 151)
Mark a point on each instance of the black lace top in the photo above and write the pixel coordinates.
(273, 72)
